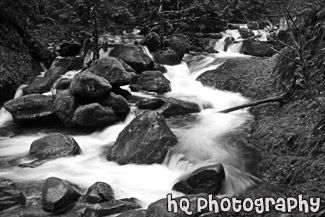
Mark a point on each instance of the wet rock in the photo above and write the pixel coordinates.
(151, 41)
(160, 207)
(145, 140)
(43, 84)
(112, 70)
(54, 145)
(207, 179)
(69, 49)
(58, 195)
(159, 67)
(117, 103)
(246, 33)
(134, 213)
(121, 92)
(94, 115)
(111, 207)
(150, 103)
(178, 107)
(98, 193)
(63, 84)
(154, 81)
(88, 87)
(65, 106)
(70, 63)
(10, 195)
(31, 108)
(167, 57)
(258, 48)
(137, 60)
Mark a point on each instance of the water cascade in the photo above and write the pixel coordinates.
(202, 141)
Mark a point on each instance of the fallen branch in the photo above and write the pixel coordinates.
(280, 99)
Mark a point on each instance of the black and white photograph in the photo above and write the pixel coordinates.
(162, 108)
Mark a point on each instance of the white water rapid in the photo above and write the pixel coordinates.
(201, 141)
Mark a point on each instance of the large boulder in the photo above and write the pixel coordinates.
(175, 107)
(58, 195)
(145, 140)
(151, 41)
(98, 193)
(94, 115)
(43, 84)
(117, 102)
(10, 195)
(137, 60)
(150, 103)
(65, 106)
(111, 207)
(54, 145)
(206, 179)
(258, 48)
(31, 108)
(153, 81)
(89, 87)
(112, 70)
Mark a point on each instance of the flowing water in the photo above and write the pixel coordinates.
(202, 141)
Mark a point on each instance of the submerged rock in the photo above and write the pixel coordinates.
(65, 106)
(89, 87)
(43, 84)
(153, 81)
(207, 179)
(150, 103)
(175, 107)
(111, 207)
(145, 140)
(98, 193)
(112, 70)
(94, 115)
(137, 60)
(32, 108)
(58, 195)
(10, 195)
(54, 145)
(117, 103)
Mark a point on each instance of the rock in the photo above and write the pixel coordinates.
(137, 60)
(159, 67)
(178, 107)
(63, 84)
(121, 92)
(88, 87)
(10, 195)
(145, 140)
(167, 57)
(31, 108)
(207, 179)
(160, 207)
(134, 213)
(150, 103)
(253, 25)
(94, 115)
(117, 103)
(180, 45)
(65, 106)
(154, 81)
(70, 63)
(58, 195)
(246, 33)
(54, 145)
(98, 193)
(69, 49)
(43, 84)
(112, 70)
(151, 41)
(111, 207)
(257, 48)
